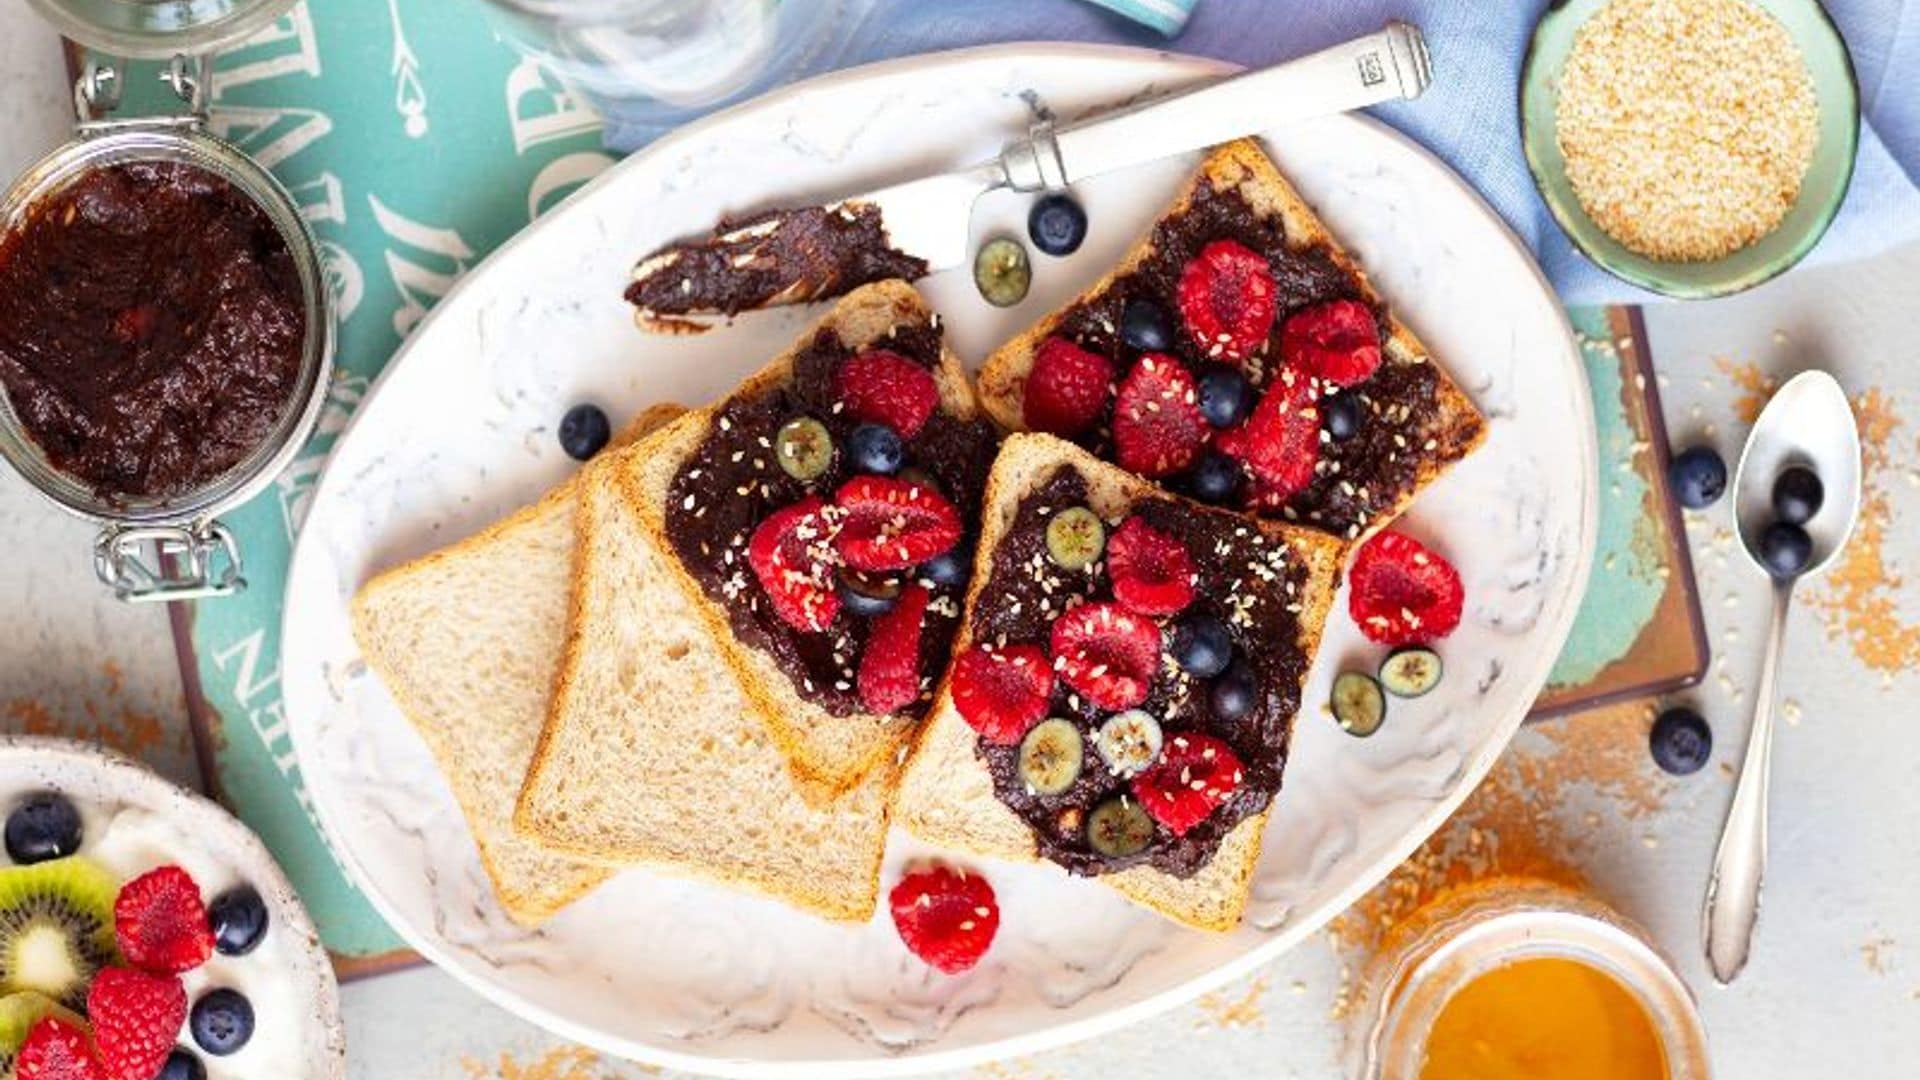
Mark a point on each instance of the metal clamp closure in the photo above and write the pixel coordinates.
(144, 563)
(98, 91)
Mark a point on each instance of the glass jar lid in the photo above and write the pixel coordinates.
(157, 29)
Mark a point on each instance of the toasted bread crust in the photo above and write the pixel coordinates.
(1459, 427)
(947, 798)
(862, 317)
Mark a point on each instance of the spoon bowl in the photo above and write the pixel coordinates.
(1808, 422)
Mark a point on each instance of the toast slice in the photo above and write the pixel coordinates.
(950, 794)
(1413, 420)
(468, 640)
(724, 455)
(650, 753)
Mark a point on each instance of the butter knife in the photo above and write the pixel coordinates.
(801, 254)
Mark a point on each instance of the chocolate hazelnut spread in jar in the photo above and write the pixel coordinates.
(165, 339)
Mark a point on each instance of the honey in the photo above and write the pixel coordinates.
(1546, 1018)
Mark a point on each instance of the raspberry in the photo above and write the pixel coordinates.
(1151, 570)
(890, 663)
(1002, 693)
(1337, 341)
(946, 917)
(883, 387)
(1226, 298)
(56, 1050)
(1404, 594)
(1106, 653)
(1066, 389)
(790, 554)
(161, 923)
(1280, 443)
(892, 524)
(136, 1017)
(1195, 774)
(1157, 424)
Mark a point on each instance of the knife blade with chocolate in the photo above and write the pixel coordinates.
(800, 254)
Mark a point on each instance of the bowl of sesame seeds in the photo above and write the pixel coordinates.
(1691, 147)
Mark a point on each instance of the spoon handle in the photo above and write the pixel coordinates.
(1733, 892)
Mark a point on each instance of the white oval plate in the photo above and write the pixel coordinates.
(460, 430)
(133, 820)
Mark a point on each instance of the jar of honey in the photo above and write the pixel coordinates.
(1517, 979)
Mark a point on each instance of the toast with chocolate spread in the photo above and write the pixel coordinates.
(467, 640)
(1240, 356)
(1125, 682)
(819, 520)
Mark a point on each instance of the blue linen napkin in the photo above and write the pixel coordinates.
(1469, 115)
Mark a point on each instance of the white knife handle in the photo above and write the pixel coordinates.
(1382, 66)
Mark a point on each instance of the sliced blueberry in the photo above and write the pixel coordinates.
(221, 1021)
(875, 449)
(182, 1065)
(1681, 741)
(867, 594)
(946, 568)
(1785, 549)
(1144, 326)
(1233, 693)
(1341, 415)
(1699, 477)
(44, 826)
(1057, 225)
(238, 918)
(1225, 396)
(1201, 645)
(584, 431)
(1215, 478)
(1797, 494)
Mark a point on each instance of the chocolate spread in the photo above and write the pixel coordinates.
(151, 328)
(1025, 592)
(731, 483)
(778, 257)
(1356, 479)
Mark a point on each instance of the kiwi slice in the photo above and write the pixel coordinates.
(1051, 756)
(1410, 671)
(1358, 704)
(804, 448)
(18, 1013)
(1075, 538)
(56, 927)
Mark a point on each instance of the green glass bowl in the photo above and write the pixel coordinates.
(1821, 191)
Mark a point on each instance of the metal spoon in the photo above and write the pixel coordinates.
(1809, 423)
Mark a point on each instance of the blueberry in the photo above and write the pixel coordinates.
(1340, 415)
(1225, 396)
(867, 594)
(1698, 476)
(1785, 549)
(221, 1021)
(1201, 646)
(875, 449)
(1234, 691)
(1057, 225)
(946, 568)
(1144, 326)
(1681, 741)
(239, 920)
(584, 431)
(1797, 494)
(182, 1065)
(45, 826)
(1215, 478)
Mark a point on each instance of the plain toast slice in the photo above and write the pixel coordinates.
(651, 753)
(948, 796)
(468, 640)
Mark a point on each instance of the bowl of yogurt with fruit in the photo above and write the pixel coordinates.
(146, 934)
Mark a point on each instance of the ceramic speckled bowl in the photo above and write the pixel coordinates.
(1821, 192)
